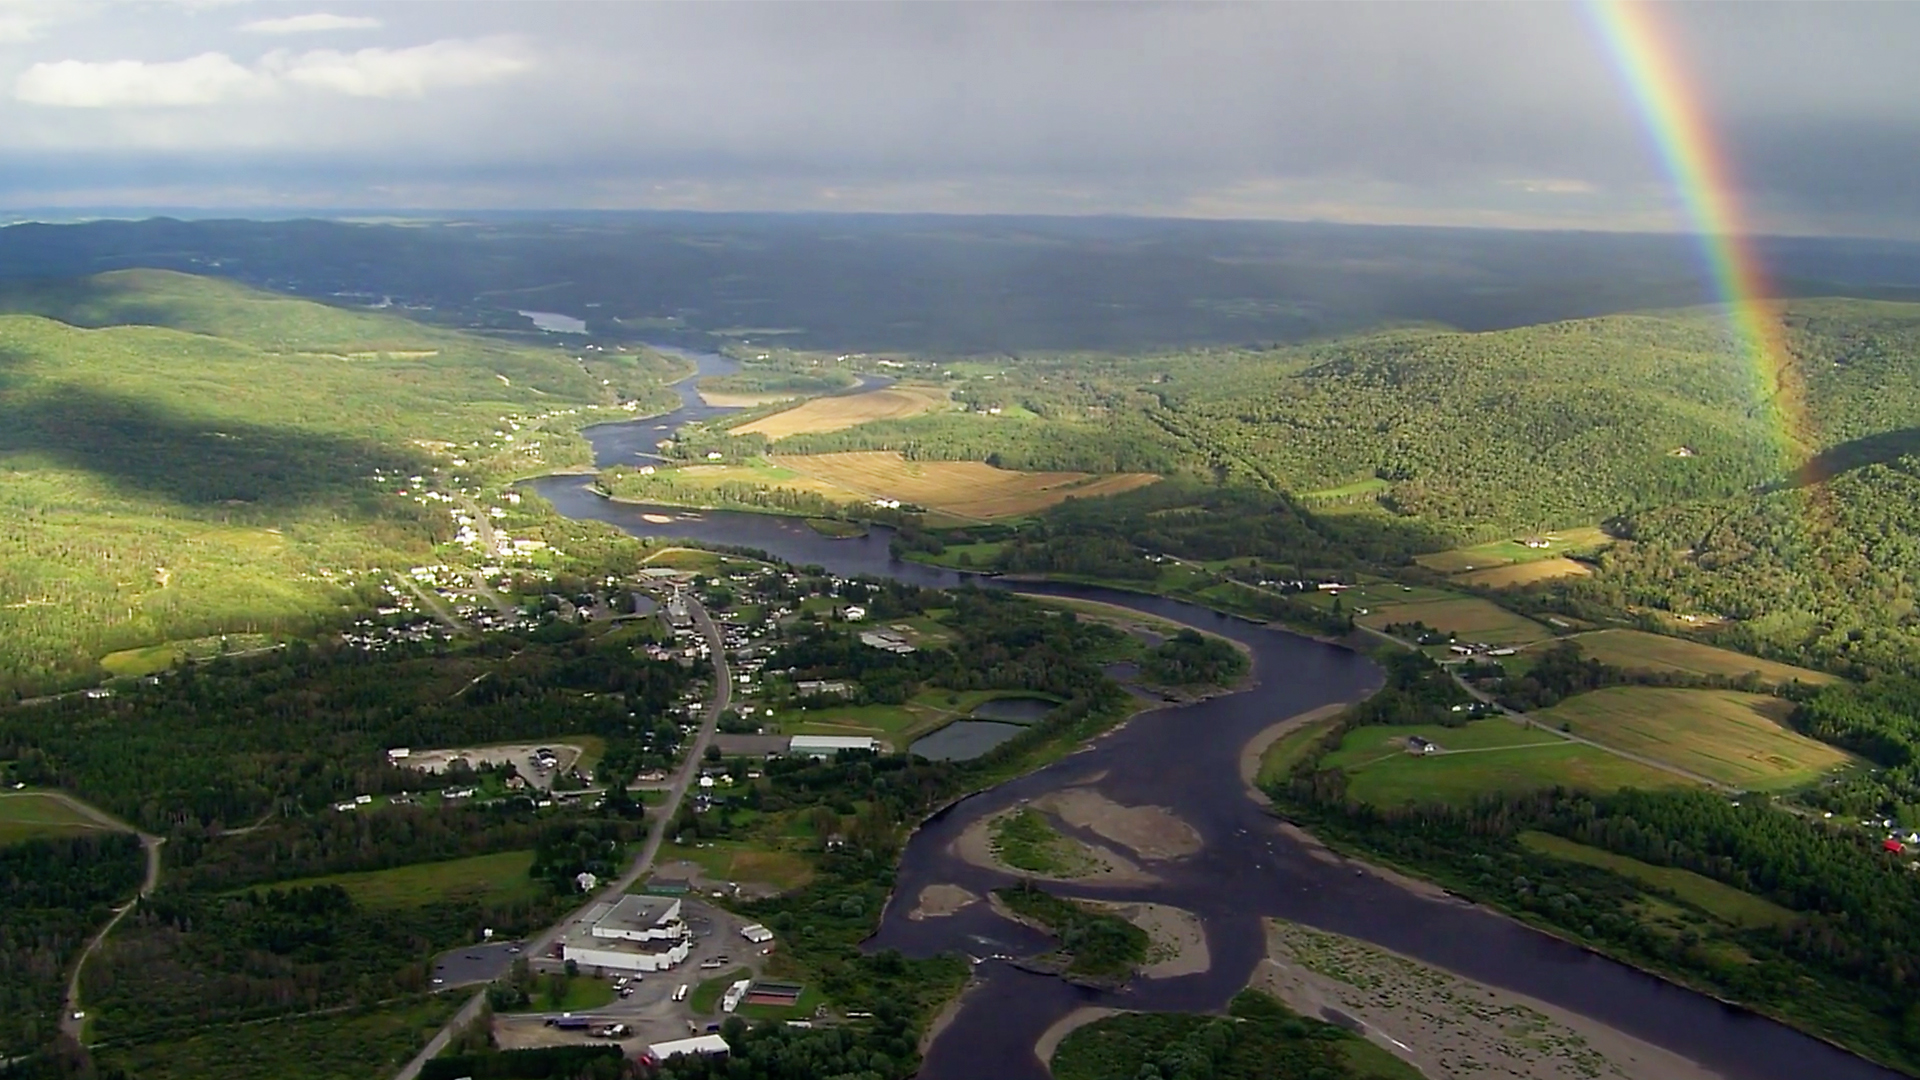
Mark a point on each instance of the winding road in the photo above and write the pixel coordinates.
(72, 1021)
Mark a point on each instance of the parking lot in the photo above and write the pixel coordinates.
(523, 756)
(474, 963)
(647, 1005)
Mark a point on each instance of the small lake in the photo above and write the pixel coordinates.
(555, 323)
(1013, 710)
(964, 740)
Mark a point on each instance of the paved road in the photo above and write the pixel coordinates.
(70, 1004)
(539, 944)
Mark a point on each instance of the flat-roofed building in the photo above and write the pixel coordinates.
(829, 745)
(638, 933)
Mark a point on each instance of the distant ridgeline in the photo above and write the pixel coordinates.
(184, 456)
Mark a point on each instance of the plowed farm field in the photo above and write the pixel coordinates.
(839, 413)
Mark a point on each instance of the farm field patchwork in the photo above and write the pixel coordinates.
(1483, 757)
(1724, 735)
(966, 489)
(838, 413)
(498, 877)
(28, 815)
(1637, 650)
(1516, 550)
(1468, 616)
(1524, 573)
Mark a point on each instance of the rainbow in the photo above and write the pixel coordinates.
(1675, 116)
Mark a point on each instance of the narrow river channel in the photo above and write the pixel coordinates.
(1186, 758)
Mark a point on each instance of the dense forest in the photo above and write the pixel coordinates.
(1825, 574)
(295, 730)
(54, 893)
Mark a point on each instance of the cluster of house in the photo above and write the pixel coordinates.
(1287, 585)
(369, 635)
(1480, 648)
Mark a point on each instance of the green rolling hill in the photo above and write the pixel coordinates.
(184, 456)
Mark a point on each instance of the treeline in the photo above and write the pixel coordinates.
(199, 952)
(1207, 522)
(779, 379)
(1854, 926)
(1101, 947)
(882, 1049)
(183, 959)
(54, 893)
(1880, 721)
(1190, 657)
(1258, 1039)
(665, 487)
(1002, 642)
(290, 732)
(332, 843)
(1121, 442)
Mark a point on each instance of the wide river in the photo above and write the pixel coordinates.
(1186, 758)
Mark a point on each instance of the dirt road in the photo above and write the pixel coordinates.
(71, 1023)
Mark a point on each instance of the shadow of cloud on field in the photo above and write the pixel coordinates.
(206, 463)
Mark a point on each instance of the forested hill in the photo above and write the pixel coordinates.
(184, 456)
(1480, 434)
(1826, 574)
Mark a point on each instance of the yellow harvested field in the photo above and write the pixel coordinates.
(967, 489)
(1525, 573)
(1637, 650)
(838, 413)
(1468, 616)
(1723, 735)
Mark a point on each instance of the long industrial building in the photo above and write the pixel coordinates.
(639, 933)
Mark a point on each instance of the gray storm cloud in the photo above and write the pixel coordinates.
(1449, 113)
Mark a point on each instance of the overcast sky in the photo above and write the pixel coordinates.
(1426, 113)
